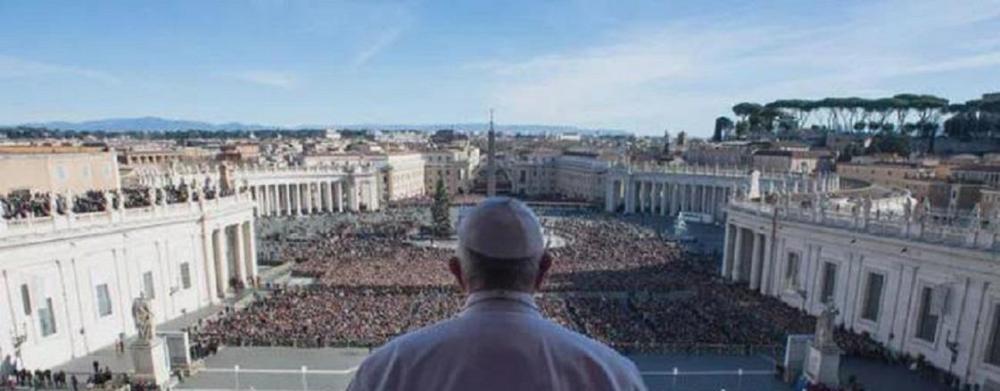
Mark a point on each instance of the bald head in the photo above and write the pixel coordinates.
(500, 246)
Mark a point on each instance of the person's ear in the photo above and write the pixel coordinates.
(543, 269)
(455, 267)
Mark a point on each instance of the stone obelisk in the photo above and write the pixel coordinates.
(491, 168)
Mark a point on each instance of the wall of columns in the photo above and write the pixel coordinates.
(305, 191)
(917, 294)
(661, 197)
(668, 192)
(67, 282)
(298, 198)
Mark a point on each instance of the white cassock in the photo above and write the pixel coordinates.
(500, 341)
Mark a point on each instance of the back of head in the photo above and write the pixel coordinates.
(500, 245)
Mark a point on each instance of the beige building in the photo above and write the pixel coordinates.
(727, 154)
(131, 157)
(797, 161)
(454, 165)
(403, 176)
(57, 169)
(921, 180)
(987, 174)
(570, 175)
(240, 152)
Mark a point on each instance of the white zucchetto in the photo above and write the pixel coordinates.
(503, 228)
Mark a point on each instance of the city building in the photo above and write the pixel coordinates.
(920, 284)
(403, 176)
(792, 160)
(455, 166)
(240, 152)
(987, 174)
(68, 281)
(60, 170)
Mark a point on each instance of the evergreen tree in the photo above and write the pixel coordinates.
(439, 211)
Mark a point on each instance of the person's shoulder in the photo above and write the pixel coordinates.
(624, 372)
(412, 340)
(588, 345)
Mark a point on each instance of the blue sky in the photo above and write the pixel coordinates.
(633, 65)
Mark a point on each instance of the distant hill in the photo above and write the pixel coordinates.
(165, 124)
(482, 127)
(144, 123)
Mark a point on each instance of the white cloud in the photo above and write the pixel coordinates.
(276, 79)
(383, 41)
(18, 68)
(684, 74)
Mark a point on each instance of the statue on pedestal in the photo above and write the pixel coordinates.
(824, 328)
(823, 361)
(977, 216)
(149, 354)
(143, 317)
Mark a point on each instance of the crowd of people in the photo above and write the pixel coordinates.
(614, 280)
(23, 204)
(14, 377)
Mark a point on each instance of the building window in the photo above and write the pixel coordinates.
(103, 300)
(47, 319)
(186, 275)
(147, 285)
(792, 272)
(993, 350)
(927, 321)
(873, 297)
(26, 299)
(829, 282)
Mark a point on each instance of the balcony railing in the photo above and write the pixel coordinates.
(965, 230)
(41, 225)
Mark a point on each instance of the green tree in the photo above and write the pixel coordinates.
(723, 125)
(439, 211)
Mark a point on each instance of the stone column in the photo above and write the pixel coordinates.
(338, 195)
(709, 201)
(352, 196)
(738, 254)
(609, 195)
(642, 197)
(629, 196)
(328, 186)
(261, 198)
(300, 197)
(768, 266)
(250, 251)
(727, 251)
(219, 243)
(704, 198)
(239, 252)
(288, 199)
(308, 197)
(664, 206)
(272, 197)
(208, 251)
(268, 209)
(755, 261)
(675, 204)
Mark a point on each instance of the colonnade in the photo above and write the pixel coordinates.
(231, 258)
(302, 198)
(746, 257)
(668, 193)
(666, 198)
